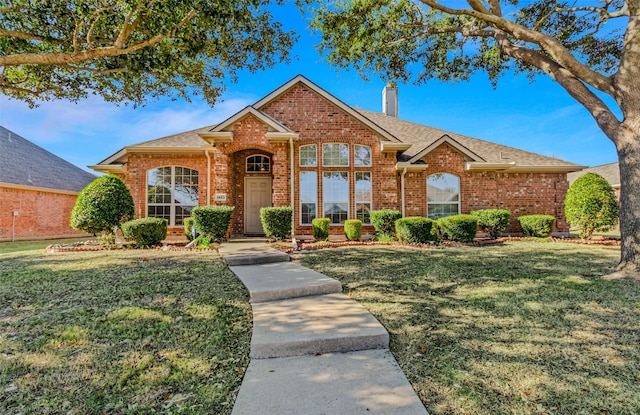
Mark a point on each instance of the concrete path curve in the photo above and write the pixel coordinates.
(314, 351)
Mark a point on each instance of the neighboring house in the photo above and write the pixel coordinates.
(300, 146)
(37, 190)
(610, 172)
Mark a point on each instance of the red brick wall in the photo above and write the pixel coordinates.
(520, 193)
(319, 121)
(136, 178)
(41, 215)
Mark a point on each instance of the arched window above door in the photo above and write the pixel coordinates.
(258, 163)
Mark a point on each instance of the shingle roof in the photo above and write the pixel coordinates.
(611, 173)
(26, 164)
(421, 136)
(185, 139)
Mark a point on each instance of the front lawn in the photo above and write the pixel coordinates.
(120, 332)
(518, 328)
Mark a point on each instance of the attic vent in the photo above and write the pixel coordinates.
(504, 156)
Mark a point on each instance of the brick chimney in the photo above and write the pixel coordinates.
(390, 99)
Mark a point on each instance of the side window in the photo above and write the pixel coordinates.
(171, 193)
(308, 196)
(362, 155)
(443, 195)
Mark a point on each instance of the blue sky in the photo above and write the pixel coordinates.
(539, 117)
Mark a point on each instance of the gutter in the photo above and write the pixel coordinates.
(292, 188)
(206, 153)
(404, 171)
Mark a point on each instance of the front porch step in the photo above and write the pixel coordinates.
(281, 281)
(250, 253)
(314, 325)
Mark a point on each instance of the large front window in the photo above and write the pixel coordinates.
(171, 193)
(335, 195)
(443, 195)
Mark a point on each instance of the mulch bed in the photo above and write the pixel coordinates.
(94, 245)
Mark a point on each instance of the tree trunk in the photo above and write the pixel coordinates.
(628, 146)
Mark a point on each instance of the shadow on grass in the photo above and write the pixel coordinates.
(519, 328)
(121, 332)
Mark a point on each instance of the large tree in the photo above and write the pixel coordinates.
(590, 48)
(133, 50)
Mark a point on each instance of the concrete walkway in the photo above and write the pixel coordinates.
(314, 351)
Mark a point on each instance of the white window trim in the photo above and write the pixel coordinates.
(444, 203)
(300, 156)
(246, 164)
(324, 201)
(172, 205)
(355, 201)
(370, 156)
(337, 165)
(300, 201)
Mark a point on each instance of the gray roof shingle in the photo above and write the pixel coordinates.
(610, 172)
(26, 164)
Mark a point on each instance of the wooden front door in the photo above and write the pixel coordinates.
(257, 194)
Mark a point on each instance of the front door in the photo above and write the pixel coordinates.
(257, 194)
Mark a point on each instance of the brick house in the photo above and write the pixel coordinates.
(300, 146)
(37, 190)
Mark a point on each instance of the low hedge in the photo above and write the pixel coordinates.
(459, 228)
(492, 221)
(415, 229)
(188, 224)
(321, 228)
(276, 221)
(212, 221)
(146, 231)
(539, 226)
(353, 229)
(384, 221)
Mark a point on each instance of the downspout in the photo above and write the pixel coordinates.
(292, 187)
(206, 153)
(404, 171)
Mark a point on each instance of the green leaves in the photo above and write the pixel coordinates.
(591, 205)
(134, 51)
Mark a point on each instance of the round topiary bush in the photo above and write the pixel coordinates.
(353, 229)
(492, 221)
(276, 221)
(539, 226)
(321, 228)
(146, 231)
(459, 228)
(384, 221)
(591, 205)
(212, 221)
(102, 206)
(415, 229)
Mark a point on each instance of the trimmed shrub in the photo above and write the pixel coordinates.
(415, 229)
(353, 229)
(276, 221)
(492, 221)
(321, 228)
(188, 224)
(539, 226)
(384, 221)
(102, 206)
(459, 228)
(212, 221)
(591, 205)
(146, 231)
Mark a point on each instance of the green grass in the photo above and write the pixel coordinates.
(120, 332)
(20, 246)
(519, 328)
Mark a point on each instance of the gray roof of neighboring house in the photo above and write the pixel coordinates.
(421, 136)
(26, 164)
(610, 172)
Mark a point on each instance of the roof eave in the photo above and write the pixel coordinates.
(389, 147)
(409, 167)
(109, 168)
(512, 167)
